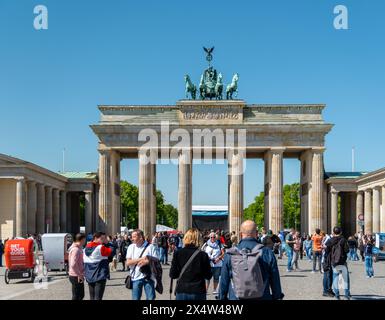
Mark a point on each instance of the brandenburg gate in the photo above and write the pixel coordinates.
(227, 129)
(212, 129)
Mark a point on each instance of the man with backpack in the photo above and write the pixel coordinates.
(251, 268)
(337, 247)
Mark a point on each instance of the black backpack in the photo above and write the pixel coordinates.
(338, 254)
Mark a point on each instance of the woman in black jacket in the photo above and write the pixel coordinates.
(191, 284)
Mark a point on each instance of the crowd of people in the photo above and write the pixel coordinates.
(238, 268)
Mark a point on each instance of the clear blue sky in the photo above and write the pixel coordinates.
(137, 52)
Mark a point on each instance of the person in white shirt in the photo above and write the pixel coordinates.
(216, 252)
(138, 261)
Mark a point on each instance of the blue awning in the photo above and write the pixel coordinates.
(210, 213)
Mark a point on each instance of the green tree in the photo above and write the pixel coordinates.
(129, 199)
(291, 208)
(255, 211)
(166, 214)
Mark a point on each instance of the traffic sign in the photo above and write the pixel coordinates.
(361, 217)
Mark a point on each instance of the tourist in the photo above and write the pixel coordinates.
(96, 266)
(281, 247)
(302, 251)
(234, 240)
(76, 267)
(266, 266)
(352, 243)
(1, 252)
(163, 247)
(338, 249)
(296, 250)
(317, 250)
(289, 247)
(307, 247)
(215, 252)
(125, 243)
(368, 251)
(138, 260)
(191, 274)
(361, 247)
(327, 271)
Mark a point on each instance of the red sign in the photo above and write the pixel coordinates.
(361, 217)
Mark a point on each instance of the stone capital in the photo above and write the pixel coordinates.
(276, 150)
(318, 150)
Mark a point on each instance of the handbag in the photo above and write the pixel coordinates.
(128, 281)
(188, 263)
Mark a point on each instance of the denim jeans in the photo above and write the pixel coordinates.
(191, 296)
(294, 261)
(309, 253)
(137, 289)
(327, 281)
(289, 252)
(352, 255)
(163, 255)
(317, 255)
(369, 265)
(344, 272)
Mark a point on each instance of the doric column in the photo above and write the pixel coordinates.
(360, 209)
(368, 213)
(153, 203)
(145, 194)
(235, 163)
(317, 183)
(105, 189)
(113, 224)
(48, 209)
(376, 209)
(31, 207)
(40, 215)
(383, 209)
(21, 212)
(274, 188)
(56, 211)
(184, 191)
(63, 211)
(334, 210)
(306, 160)
(88, 211)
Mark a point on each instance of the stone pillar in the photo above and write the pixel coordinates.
(274, 189)
(334, 210)
(105, 190)
(145, 194)
(368, 213)
(48, 210)
(360, 209)
(63, 212)
(306, 160)
(113, 224)
(185, 192)
(56, 211)
(21, 210)
(40, 215)
(153, 203)
(317, 183)
(235, 162)
(376, 209)
(31, 207)
(88, 211)
(383, 209)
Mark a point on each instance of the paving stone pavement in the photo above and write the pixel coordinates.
(297, 285)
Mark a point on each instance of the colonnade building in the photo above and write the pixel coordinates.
(33, 199)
